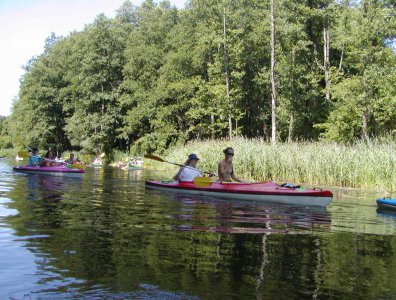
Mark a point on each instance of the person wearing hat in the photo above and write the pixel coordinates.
(34, 158)
(188, 172)
(225, 167)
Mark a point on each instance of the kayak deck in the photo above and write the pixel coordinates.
(263, 191)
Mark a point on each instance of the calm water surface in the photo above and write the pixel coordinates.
(107, 237)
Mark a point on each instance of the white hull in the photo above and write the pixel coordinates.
(298, 200)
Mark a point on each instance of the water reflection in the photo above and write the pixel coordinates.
(107, 237)
(230, 216)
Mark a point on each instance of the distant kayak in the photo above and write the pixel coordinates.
(386, 204)
(96, 165)
(263, 191)
(132, 167)
(50, 170)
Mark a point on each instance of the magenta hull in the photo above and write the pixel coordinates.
(53, 171)
(263, 191)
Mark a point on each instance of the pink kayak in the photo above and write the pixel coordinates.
(262, 191)
(53, 171)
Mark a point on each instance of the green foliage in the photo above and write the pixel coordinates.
(155, 77)
(5, 138)
(9, 153)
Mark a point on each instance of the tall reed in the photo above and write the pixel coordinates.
(364, 165)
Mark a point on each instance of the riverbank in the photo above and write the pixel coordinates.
(361, 165)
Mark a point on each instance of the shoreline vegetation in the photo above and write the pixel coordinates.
(362, 165)
(370, 165)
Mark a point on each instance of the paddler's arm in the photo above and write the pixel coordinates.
(220, 171)
(178, 174)
(233, 176)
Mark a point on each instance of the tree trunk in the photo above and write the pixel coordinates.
(291, 128)
(212, 134)
(227, 76)
(365, 120)
(266, 132)
(273, 83)
(326, 61)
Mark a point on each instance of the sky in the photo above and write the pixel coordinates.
(25, 24)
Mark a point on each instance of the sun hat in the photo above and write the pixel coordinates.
(193, 156)
(228, 150)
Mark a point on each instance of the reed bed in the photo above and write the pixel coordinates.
(362, 165)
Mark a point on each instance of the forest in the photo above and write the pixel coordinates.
(155, 77)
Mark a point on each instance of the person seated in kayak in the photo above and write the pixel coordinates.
(225, 167)
(50, 159)
(97, 161)
(188, 172)
(136, 162)
(34, 158)
(71, 160)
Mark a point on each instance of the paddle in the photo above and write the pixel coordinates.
(206, 181)
(75, 166)
(157, 158)
(23, 154)
(203, 181)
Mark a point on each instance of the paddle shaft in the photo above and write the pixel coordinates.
(157, 158)
(188, 167)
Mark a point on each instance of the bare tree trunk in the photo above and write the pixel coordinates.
(366, 109)
(212, 126)
(365, 120)
(291, 128)
(227, 76)
(326, 61)
(345, 5)
(273, 83)
(266, 133)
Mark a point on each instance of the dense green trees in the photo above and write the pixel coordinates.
(155, 76)
(5, 138)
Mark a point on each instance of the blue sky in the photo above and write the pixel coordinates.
(25, 24)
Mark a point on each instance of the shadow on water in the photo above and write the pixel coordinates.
(106, 237)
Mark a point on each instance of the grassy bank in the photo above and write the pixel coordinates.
(363, 165)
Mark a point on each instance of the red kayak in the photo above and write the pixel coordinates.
(262, 191)
(53, 170)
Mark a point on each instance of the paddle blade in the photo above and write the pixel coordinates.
(76, 166)
(23, 154)
(203, 181)
(150, 156)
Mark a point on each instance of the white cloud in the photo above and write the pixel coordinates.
(25, 24)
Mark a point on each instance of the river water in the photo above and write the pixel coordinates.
(105, 236)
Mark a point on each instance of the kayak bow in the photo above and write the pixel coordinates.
(386, 204)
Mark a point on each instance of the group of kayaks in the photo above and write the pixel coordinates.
(261, 191)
